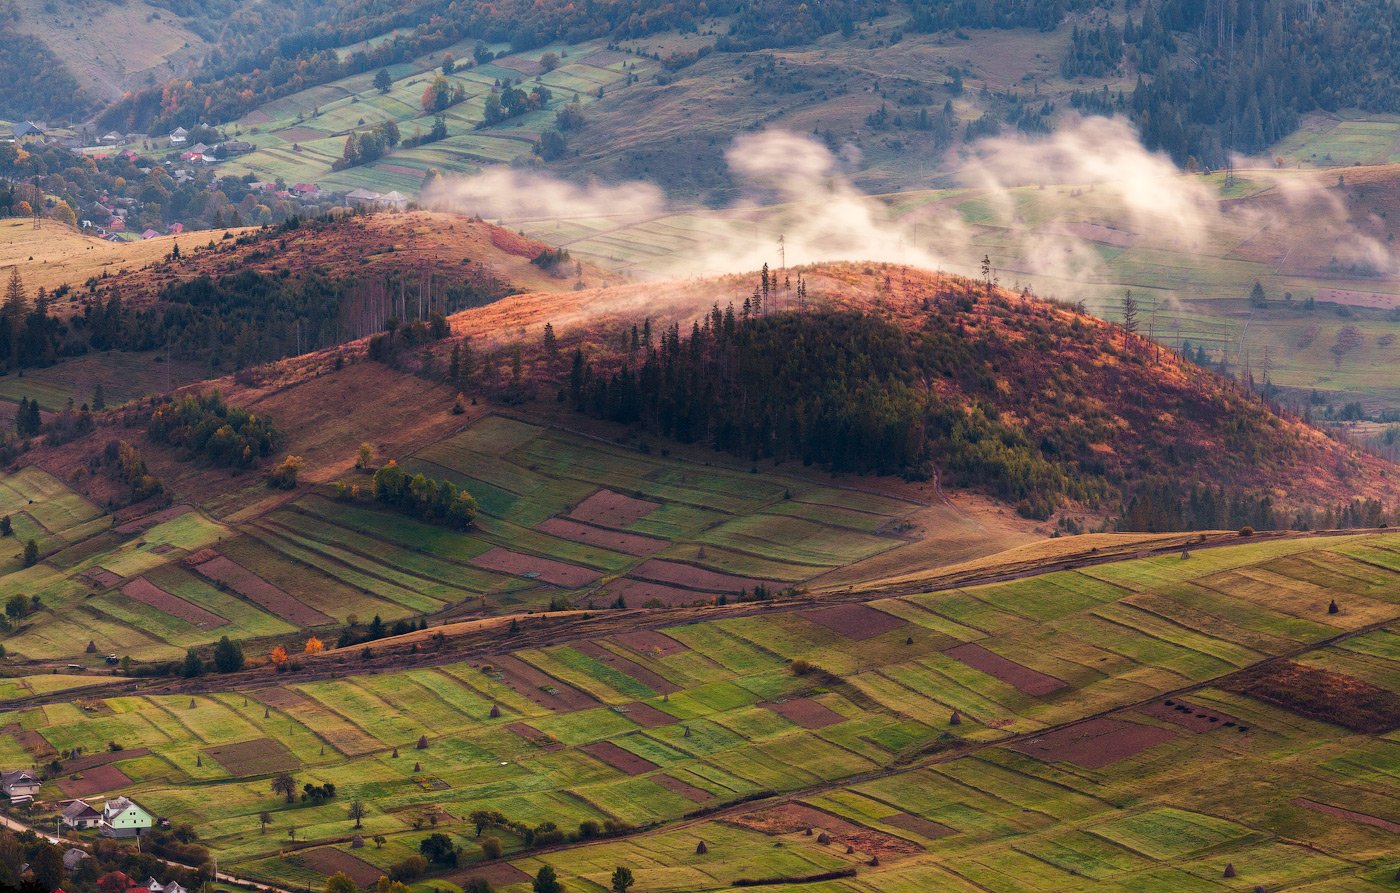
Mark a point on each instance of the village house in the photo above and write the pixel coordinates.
(73, 857)
(20, 785)
(28, 130)
(394, 200)
(179, 136)
(123, 818)
(361, 197)
(112, 138)
(80, 816)
(156, 886)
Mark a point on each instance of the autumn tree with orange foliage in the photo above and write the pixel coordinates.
(279, 657)
(314, 646)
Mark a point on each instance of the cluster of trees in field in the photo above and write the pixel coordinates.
(425, 498)
(66, 187)
(206, 427)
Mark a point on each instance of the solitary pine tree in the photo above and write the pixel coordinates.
(1130, 314)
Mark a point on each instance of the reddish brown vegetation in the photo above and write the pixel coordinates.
(1321, 694)
(806, 713)
(647, 716)
(855, 621)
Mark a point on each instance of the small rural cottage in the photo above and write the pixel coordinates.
(20, 784)
(80, 815)
(178, 136)
(123, 818)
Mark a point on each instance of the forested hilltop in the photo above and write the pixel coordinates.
(885, 370)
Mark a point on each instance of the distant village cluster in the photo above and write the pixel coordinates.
(189, 157)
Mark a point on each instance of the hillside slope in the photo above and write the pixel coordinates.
(1087, 417)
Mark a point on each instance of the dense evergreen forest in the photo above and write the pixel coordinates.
(843, 390)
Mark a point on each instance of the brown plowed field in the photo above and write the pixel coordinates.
(855, 621)
(792, 818)
(93, 781)
(1360, 818)
(257, 590)
(648, 716)
(685, 789)
(1190, 716)
(637, 593)
(806, 713)
(148, 593)
(608, 509)
(1095, 743)
(691, 577)
(329, 860)
(260, 756)
(622, 760)
(1032, 682)
(569, 576)
(532, 683)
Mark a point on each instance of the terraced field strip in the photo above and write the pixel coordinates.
(1023, 678)
(146, 592)
(248, 584)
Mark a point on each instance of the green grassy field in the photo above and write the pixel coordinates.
(733, 720)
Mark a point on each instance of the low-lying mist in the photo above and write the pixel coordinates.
(1055, 207)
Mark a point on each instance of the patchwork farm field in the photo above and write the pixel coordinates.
(1102, 728)
(565, 519)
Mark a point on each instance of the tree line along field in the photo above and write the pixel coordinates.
(1121, 726)
(562, 518)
